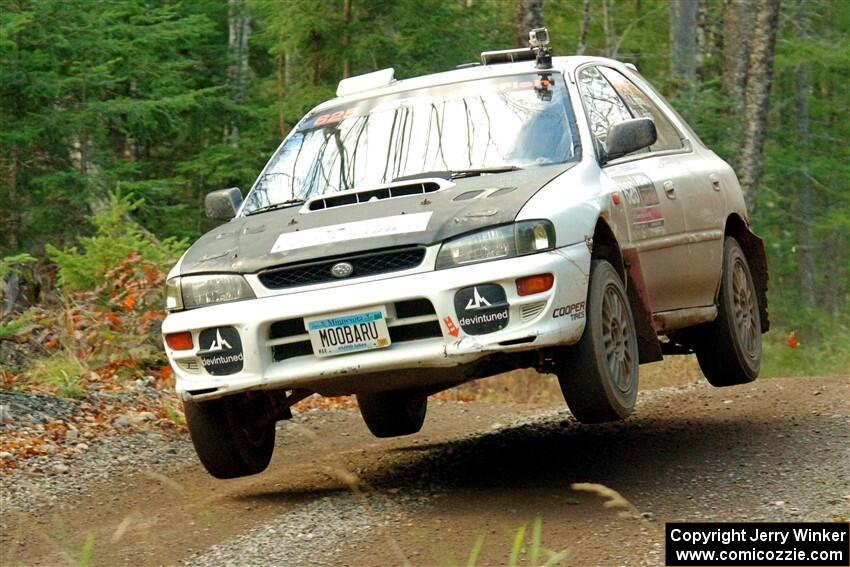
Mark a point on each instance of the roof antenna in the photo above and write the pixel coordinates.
(538, 39)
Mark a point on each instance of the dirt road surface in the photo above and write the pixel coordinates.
(777, 449)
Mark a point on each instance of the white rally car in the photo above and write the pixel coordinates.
(408, 236)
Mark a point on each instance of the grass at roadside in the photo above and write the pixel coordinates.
(62, 372)
(787, 355)
(524, 551)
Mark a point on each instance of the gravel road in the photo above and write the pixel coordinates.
(776, 449)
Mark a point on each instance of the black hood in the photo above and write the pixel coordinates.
(244, 245)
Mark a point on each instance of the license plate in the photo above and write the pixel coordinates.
(343, 333)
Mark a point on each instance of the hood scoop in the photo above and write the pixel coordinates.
(388, 191)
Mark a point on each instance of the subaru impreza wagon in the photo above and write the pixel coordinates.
(411, 235)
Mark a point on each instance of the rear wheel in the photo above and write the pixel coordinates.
(227, 444)
(391, 414)
(729, 348)
(599, 374)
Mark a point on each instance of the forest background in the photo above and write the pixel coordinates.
(118, 116)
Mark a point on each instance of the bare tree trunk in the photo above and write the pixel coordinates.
(835, 290)
(607, 28)
(806, 245)
(281, 93)
(130, 146)
(703, 37)
(11, 229)
(239, 23)
(12, 224)
(346, 39)
(683, 39)
(585, 22)
(529, 15)
(738, 21)
(762, 44)
(290, 60)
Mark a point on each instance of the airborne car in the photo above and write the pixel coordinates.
(408, 236)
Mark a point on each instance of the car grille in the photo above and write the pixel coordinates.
(415, 319)
(370, 264)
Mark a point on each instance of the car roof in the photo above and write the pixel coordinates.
(559, 64)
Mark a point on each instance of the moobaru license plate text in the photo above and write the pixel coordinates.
(351, 332)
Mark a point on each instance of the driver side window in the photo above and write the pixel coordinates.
(603, 105)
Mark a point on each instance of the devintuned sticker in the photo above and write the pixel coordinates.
(482, 309)
(221, 351)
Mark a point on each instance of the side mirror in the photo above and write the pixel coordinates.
(628, 136)
(223, 204)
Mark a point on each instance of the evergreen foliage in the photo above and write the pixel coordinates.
(117, 236)
(93, 94)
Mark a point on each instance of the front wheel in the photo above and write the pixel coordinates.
(391, 414)
(729, 349)
(228, 445)
(599, 374)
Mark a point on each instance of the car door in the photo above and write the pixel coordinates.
(696, 187)
(648, 181)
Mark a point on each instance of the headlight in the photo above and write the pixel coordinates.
(190, 292)
(173, 298)
(507, 241)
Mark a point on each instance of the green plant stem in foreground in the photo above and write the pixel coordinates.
(524, 552)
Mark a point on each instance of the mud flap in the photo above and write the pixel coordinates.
(649, 347)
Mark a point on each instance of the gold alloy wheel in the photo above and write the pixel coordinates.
(744, 309)
(617, 340)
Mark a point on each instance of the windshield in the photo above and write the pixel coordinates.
(509, 122)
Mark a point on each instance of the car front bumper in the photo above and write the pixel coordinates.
(543, 319)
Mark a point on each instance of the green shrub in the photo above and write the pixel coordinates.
(62, 372)
(14, 325)
(14, 263)
(117, 236)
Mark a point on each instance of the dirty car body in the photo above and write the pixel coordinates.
(426, 232)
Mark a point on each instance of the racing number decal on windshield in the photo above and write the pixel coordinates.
(331, 118)
(642, 200)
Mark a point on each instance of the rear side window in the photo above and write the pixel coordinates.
(642, 106)
(604, 106)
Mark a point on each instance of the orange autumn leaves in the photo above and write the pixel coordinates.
(113, 329)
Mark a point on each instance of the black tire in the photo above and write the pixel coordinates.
(599, 374)
(391, 414)
(729, 348)
(225, 444)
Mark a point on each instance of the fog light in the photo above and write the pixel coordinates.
(179, 341)
(534, 284)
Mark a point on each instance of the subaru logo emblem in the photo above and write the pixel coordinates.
(342, 270)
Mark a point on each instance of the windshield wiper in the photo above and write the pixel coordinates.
(481, 170)
(458, 173)
(276, 206)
